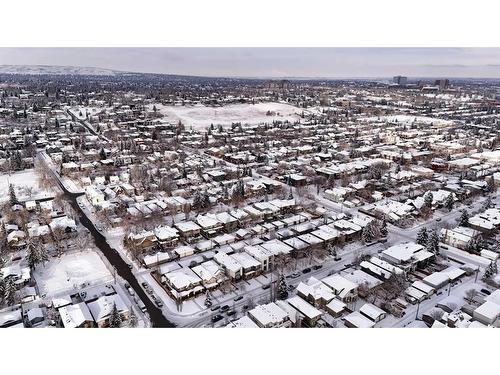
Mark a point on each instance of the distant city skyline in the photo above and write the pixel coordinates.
(272, 62)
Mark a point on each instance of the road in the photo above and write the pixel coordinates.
(121, 267)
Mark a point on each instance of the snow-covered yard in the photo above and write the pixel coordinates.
(23, 181)
(200, 116)
(71, 271)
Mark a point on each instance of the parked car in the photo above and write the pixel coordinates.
(215, 308)
(267, 286)
(216, 318)
(306, 270)
(224, 308)
(485, 291)
(231, 313)
(239, 298)
(317, 266)
(130, 291)
(295, 275)
(159, 303)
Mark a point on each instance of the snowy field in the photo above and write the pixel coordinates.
(71, 271)
(200, 116)
(408, 119)
(22, 181)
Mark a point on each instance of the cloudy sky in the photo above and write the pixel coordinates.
(272, 62)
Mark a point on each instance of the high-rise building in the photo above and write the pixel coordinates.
(400, 80)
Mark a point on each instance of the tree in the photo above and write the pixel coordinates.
(449, 202)
(433, 242)
(102, 154)
(132, 321)
(490, 271)
(32, 254)
(12, 196)
(470, 294)
(463, 220)
(428, 198)
(8, 291)
(208, 299)
(115, 320)
(282, 287)
(422, 236)
(383, 229)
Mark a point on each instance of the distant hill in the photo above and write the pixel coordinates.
(56, 70)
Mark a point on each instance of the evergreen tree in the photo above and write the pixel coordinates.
(463, 221)
(449, 202)
(428, 198)
(208, 299)
(282, 287)
(367, 234)
(102, 154)
(132, 321)
(383, 228)
(115, 320)
(433, 242)
(32, 255)
(489, 272)
(12, 196)
(9, 291)
(422, 236)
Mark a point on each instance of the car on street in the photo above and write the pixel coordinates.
(215, 308)
(267, 286)
(295, 275)
(231, 313)
(159, 303)
(130, 291)
(224, 308)
(306, 270)
(485, 291)
(239, 298)
(216, 318)
(317, 267)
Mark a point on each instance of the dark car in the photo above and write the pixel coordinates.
(215, 308)
(295, 275)
(224, 308)
(231, 313)
(485, 291)
(238, 298)
(246, 307)
(267, 286)
(317, 267)
(145, 285)
(216, 318)
(306, 270)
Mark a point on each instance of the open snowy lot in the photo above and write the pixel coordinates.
(200, 116)
(70, 272)
(25, 185)
(407, 119)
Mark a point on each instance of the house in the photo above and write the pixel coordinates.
(210, 273)
(357, 320)
(102, 307)
(315, 292)
(182, 283)
(336, 308)
(76, 316)
(372, 312)
(308, 314)
(232, 267)
(345, 290)
(487, 313)
(270, 316)
(189, 230)
(94, 195)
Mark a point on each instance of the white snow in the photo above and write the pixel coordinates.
(200, 116)
(21, 180)
(71, 271)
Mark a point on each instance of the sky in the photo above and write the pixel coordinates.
(272, 62)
